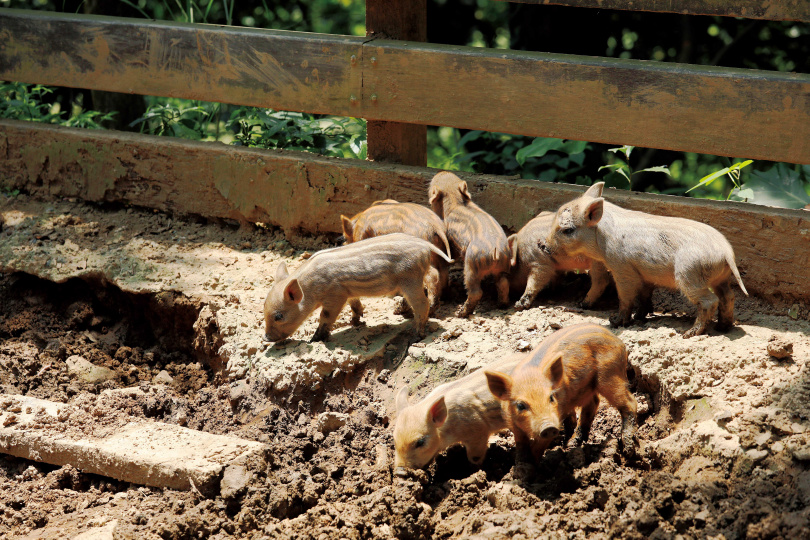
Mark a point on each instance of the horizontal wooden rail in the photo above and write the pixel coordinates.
(304, 192)
(722, 111)
(783, 10)
(294, 71)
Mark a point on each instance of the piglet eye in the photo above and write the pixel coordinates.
(568, 231)
(520, 406)
(551, 398)
(279, 315)
(420, 442)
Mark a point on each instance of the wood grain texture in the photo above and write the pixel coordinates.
(264, 68)
(396, 142)
(304, 192)
(782, 10)
(722, 111)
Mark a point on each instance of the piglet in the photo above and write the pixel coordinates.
(381, 266)
(463, 411)
(533, 268)
(568, 370)
(475, 237)
(644, 251)
(390, 216)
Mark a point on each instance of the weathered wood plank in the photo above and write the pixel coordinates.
(264, 68)
(396, 142)
(304, 192)
(722, 111)
(784, 10)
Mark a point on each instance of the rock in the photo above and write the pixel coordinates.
(756, 455)
(523, 345)
(239, 391)
(83, 369)
(105, 532)
(779, 347)
(163, 377)
(331, 421)
(141, 452)
(234, 481)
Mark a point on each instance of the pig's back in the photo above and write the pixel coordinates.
(408, 218)
(654, 244)
(478, 236)
(378, 263)
(580, 335)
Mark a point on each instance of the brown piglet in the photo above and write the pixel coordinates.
(474, 236)
(381, 266)
(644, 251)
(390, 216)
(533, 268)
(462, 411)
(570, 369)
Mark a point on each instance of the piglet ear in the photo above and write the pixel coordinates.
(433, 194)
(595, 190)
(281, 271)
(348, 226)
(402, 399)
(293, 292)
(499, 384)
(438, 412)
(513, 248)
(593, 213)
(554, 372)
(465, 194)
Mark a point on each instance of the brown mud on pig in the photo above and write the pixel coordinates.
(381, 266)
(533, 268)
(462, 411)
(390, 216)
(644, 251)
(475, 237)
(568, 370)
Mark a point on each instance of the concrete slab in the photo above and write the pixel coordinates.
(138, 451)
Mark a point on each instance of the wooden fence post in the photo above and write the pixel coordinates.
(397, 142)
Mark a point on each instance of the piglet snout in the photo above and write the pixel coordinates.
(267, 339)
(549, 432)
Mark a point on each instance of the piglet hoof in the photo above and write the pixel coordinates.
(585, 305)
(463, 312)
(628, 448)
(692, 332)
(522, 304)
(724, 327)
(320, 335)
(357, 321)
(618, 320)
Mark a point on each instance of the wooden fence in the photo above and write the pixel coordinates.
(401, 86)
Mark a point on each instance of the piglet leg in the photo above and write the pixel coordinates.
(329, 314)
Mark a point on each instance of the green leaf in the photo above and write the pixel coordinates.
(781, 186)
(537, 148)
(574, 147)
(624, 173)
(611, 167)
(626, 150)
(660, 168)
(708, 179)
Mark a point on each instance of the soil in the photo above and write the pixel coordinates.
(171, 306)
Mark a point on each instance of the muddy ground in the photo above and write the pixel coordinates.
(170, 306)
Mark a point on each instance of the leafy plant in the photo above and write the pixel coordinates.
(733, 172)
(622, 166)
(19, 101)
(781, 185)
(170, 119)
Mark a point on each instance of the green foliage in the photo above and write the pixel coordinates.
(173, 118)
(20, 101)
(782, 185)
(265, 128)
(621, 167)
(733, 172)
